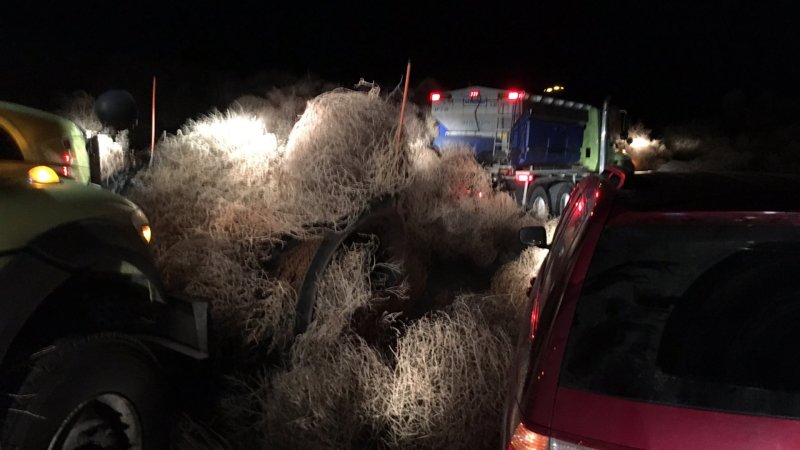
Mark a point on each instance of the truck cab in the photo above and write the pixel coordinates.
(88, 336)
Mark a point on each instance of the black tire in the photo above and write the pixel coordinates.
(539, 202)
(559, 196)
(67, 379)
(382, 220)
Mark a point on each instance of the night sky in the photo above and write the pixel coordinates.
(665, 62)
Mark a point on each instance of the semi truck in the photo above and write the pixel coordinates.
(535, 147)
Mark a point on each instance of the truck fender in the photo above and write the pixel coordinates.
(100, 246)
(84, 250)
(24, 283)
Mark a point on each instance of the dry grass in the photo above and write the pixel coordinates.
(340, 155)
(444, 391)
(79, 108)
(322, 398)
(248, 308)
(224, 192)
(440, 389)
(453, 209)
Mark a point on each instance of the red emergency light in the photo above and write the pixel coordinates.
(436, 96)
(524, 177)
(515, 95)
(474, 93)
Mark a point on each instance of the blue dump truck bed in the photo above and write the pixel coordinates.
(524, 131)
(482, 146)
(545, 143)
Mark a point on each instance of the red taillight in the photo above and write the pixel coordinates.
(435, 96)
(524, 177)
(515, 95)
(596, 195)
(474, 93)
(525, 439)
(580, 205)
(66, 157)
(535, 317)
(66, 171)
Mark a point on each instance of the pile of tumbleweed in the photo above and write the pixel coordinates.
(230, 191)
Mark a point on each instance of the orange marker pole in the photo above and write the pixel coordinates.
(403, 106)
(153, 124)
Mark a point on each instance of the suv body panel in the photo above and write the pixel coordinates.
(605, 421)
(559, 287)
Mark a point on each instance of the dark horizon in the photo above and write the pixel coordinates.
(665, 63)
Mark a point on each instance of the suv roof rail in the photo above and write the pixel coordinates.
(617, 175)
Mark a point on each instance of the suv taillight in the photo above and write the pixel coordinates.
(525, 439)
(535, 316)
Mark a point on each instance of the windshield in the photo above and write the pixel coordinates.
(700, 316)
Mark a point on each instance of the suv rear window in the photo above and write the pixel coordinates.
(699, 316)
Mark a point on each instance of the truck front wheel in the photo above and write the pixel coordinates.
(98, 392)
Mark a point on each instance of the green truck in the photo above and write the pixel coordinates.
(89, 340)
(535, 147)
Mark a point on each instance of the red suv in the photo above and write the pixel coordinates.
(667, 315)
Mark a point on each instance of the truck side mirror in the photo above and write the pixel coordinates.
(93, 149)
(534, 237)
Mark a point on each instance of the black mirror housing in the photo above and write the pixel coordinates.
(93, 149)
(624, 125)
(534, 237)
(116, 109)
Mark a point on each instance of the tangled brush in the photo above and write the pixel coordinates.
(444, 391)
(341, 155)
(440, 386)
(231, 188)
(453, 208)
(325, 395)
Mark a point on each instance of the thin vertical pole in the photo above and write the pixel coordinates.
(153, 124)
(403, 107)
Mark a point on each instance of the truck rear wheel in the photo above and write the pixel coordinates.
(100, 392)
(560, 197)
(540, 203)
